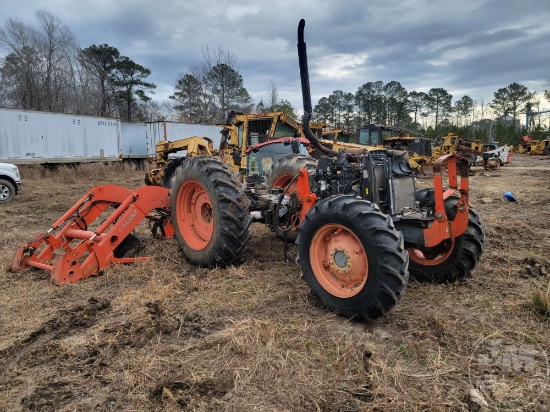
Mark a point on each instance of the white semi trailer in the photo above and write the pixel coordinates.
(42, 137)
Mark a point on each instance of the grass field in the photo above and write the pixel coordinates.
(163, 335)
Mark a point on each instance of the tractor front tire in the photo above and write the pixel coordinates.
(352, 257)
(281, 175)
(452, 259)
(7, 191)
(209, 212)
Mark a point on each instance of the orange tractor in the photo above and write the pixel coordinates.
(362, 225)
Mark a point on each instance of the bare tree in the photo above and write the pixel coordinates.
(152, 111)
(4, 86)
(57, 45)
(547, 90)
(21, 64)
(39, 63)
(217, 87)
(272, 98)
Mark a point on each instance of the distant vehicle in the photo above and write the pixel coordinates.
(534, 147)
(493, 150)
(10, 182)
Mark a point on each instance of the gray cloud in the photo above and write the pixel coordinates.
(468, 47)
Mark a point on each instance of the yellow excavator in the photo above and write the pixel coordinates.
(529, 145)
(492, 155)
(534, 147)
(375, 136)
(240, 132)
(244, 131)
(453, 143)
(165, 167)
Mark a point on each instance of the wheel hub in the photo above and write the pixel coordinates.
(340, 260)
(206, 212)
(4, 192)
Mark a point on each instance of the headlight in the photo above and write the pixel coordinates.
(16, 171)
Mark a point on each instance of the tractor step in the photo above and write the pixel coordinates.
(70, 250)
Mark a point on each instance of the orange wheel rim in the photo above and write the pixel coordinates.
(194, 215)
(432, 256)
(339, 261)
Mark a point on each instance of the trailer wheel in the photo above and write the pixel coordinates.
(209, 212)
(352, 257)
(7, 191)
(281, 176)
(452, 259)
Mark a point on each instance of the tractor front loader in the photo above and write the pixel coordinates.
(72, 249)
(362, 225)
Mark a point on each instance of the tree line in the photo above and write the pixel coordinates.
(45, 69)
(432, 113)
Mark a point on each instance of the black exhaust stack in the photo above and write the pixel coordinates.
(304, 74)
(306, 94)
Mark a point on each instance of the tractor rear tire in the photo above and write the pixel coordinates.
(352, 257)
(287, 167)
(453, 259)
(546, 150)
(209, 212)
(169, 171)
(281, 175)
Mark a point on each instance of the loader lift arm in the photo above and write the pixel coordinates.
(71, 251)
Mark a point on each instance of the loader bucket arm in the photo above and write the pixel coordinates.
(71, 251)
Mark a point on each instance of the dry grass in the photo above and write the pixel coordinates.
(540, 303)
(163, 335)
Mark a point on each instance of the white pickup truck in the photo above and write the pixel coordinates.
(10, 182)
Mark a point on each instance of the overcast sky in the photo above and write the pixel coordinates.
(468, 47)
